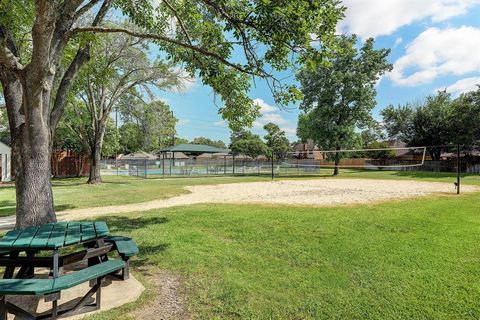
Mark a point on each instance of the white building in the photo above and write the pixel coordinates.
(5, 163)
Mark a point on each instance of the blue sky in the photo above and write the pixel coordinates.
(435, 45)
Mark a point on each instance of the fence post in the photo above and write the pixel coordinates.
(233, 164)
(458, 169)
(163, 165)
(224, 165)
(273, 172)
(146, 168)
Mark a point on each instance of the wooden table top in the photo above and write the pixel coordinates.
(53, 236)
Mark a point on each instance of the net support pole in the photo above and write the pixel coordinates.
(273, 173)
(163, 165)
(458, 169)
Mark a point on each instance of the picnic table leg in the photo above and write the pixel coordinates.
(26, 271)
(126, 270)
(55, 271)
(9, 270)
(99, 259)
(3, 309)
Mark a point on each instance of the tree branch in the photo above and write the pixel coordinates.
(165, 39)
(82, 56)
(8, 59)
(8, 52)
(80, 12)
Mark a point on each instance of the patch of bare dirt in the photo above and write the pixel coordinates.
(169, 301)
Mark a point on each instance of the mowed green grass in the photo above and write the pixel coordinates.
(412, 259)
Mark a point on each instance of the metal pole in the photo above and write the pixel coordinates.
(273, 173)
(233, 164)
(116, 137)
(458, 169)
(173, 133)
(224, 165)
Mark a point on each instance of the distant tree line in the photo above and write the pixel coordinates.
(437, 121)
(249, 144)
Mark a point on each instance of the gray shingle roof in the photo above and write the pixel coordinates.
(196, 148)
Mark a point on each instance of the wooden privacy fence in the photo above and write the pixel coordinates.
(66, 163)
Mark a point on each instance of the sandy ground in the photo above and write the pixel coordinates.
(319, 192)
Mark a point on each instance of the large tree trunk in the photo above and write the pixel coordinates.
(80, 165)
(94, 176)
(32, 179)
(28, 91)
(336, 169)
(26, 101)
(96, 156)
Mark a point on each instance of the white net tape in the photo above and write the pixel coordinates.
(357, 158)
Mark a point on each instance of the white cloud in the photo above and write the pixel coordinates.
(398, 41)
(221, 123)
(372, 18)
(271, 114)
(438, 52)
(264, 107)
(290, 131)
(461, 86)
(183, 121)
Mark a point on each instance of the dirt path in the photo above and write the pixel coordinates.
(318, 192)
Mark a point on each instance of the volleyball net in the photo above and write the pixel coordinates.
(311, 161)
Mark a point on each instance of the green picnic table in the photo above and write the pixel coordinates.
(42, 247)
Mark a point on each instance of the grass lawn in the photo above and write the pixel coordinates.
(413, 259)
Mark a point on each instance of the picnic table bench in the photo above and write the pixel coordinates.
(96, 243)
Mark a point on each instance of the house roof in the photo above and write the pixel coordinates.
(140, 155)
(194, 148)
(175, 155)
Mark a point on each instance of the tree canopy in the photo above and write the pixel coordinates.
(276, 140)
(209, 142)
(154, 120)
(339, 96)
(435, 122)
(249, 144)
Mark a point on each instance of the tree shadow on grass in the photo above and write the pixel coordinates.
(429, 175)
(75, 182)
(145, 251)
(122, 223)
(7, 208)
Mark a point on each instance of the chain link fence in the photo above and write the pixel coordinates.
(294, 164)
